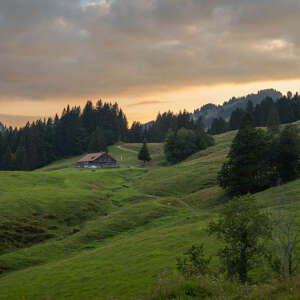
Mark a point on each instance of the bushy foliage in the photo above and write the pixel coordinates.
(284, 257)
(183, 143)
(194, 263)
(242, 226)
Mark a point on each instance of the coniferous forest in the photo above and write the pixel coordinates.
(41, 142)
(95, 127)
(284, 110)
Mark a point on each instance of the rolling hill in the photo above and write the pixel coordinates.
(75, 234)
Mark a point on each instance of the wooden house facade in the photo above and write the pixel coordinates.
(97, 160)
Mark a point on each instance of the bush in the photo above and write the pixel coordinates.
(182, 143)
(195, 263)
(243, 228)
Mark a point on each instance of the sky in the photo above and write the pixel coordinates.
(147, 55)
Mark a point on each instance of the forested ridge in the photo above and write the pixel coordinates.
(95, 127)
(284, 110)
(209, 112)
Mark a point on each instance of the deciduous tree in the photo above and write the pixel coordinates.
(242, 226)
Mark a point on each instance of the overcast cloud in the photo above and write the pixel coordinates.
(71, 48)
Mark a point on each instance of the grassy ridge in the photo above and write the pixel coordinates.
(197, 173)
(139, 221)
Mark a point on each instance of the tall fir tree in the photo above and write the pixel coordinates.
(273, 123)
(97, 142)
(247, 169)
(288, 158)
(236, 118)
(218, 126)
(144, 154)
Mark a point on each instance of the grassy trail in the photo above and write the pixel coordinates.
(126, 149)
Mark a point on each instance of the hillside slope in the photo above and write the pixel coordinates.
(110, 233)
(125, 154)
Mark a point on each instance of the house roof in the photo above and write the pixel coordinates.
(91, 157)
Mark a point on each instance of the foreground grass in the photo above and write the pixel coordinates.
(218, 287)
(120, 268)
(111, 233)
(36, 206)
(127, 263)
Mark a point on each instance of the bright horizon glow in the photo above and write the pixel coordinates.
(144, 109)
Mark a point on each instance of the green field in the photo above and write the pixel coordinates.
(68, 233)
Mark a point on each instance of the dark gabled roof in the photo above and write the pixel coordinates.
(91, 157)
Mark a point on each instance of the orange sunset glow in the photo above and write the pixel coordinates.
(148, 56)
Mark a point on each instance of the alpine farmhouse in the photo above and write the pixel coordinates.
(97, 160)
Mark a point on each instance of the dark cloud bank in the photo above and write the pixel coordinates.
(72, 48)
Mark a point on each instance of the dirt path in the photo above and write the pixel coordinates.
(126, 149)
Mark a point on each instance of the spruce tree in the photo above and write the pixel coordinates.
(235, 119)
(97, 142)
(218, 126)
(248, 168)
(250, 108)
(20, 158)
(144, 154)
(7, 160)
(288, 159)
(273, 122)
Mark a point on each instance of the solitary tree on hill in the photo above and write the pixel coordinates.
(144, 154)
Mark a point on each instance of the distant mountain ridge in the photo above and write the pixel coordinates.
(211, 111)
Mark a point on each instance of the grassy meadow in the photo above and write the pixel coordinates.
(68, 233)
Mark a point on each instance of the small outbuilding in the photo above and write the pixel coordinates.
(96, 161)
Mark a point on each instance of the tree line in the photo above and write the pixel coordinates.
(268, 113)
(156, 131)
(259, 159)
(182, 136)
(76, 131)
